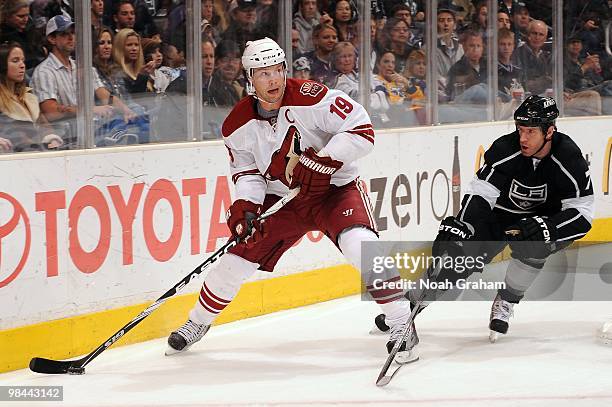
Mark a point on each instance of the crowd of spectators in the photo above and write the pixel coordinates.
(140, 76)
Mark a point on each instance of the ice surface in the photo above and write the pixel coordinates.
(322, 355)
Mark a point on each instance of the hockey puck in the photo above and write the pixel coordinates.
(76, 370)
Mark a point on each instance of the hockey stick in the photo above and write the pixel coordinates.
(384, 378)
(50, 366)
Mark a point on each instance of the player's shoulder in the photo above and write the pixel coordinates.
(564, 148)
(243, 112)
(504, 148)
(300, 92)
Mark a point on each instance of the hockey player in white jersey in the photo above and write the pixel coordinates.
(291, 133)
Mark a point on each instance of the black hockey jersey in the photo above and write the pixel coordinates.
(514, 186)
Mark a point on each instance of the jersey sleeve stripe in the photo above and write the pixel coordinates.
(503, 160)
(366, 134)
(243, 173)
(567, 173)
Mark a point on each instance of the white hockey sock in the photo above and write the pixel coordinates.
(220, 287)
(392, 302)
(519, 277)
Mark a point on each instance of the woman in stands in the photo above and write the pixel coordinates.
(127, 54)
(22, 125)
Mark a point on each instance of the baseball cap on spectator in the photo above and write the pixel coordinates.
(59, 23)
(242, 5)
(301, 64)
(446, 6)
(520, 6)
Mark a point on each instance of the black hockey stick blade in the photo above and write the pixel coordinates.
(49, 366)
(384, 379)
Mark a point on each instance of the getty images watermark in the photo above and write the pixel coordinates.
(581, 272)
(408, 264)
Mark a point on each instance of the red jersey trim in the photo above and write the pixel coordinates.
(300, 92)
(239, 116)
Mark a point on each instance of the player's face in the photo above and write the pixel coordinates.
(269, 83)
(531, 139)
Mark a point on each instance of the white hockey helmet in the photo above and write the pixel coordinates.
(259, 54)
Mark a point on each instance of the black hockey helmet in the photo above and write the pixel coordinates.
(537, 111)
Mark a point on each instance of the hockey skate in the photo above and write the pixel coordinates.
(408, 351)
(605, 333)
(188, 334)
(501, 311)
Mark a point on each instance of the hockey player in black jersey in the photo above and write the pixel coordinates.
(533, 193)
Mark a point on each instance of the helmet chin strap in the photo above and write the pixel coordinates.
(546, 140)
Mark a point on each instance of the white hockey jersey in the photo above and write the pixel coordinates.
(263, 151)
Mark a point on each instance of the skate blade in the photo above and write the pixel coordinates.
(171, 351)
(493, 336)
(405, 357)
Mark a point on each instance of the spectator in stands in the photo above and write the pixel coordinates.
(54, 79)
(507, 6)
(113, 91)
(344, 76)
(173, 57)
(416, 69)
(224, 89)
(325, 38)
(43, 10)
(17, 26)
(128, 124)
(295, 42)
(127, 54)
(521, 19)
(244, 26)
(162, 75)
(503, 20)
(124, 15)
(592, 35)
(583, 77)
(267, 16)
(448, 50)
(535, 60)
(398, 38)
(305, 20)
(479, 18)
(399, 90)
(507, 71)
(464, 9)
(22, 123)
(173, 125)
(467, 77)
(344, 15)
(301, 68)
(97, 14)
(144, 25)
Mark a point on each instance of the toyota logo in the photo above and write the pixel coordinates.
(11, 227)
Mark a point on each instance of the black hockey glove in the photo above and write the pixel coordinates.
(451, 234)
(532, 238)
